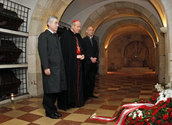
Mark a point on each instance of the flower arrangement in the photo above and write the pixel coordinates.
(159, 114)
(155, 111)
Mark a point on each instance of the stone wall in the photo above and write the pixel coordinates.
(131, 50)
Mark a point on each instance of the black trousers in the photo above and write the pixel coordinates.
(49, 103)
(90, 74)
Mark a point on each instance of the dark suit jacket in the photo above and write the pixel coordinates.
(51, 57)
(89, 49)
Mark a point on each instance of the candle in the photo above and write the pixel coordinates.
(12, 96)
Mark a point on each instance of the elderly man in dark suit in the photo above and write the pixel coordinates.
(52, 66)
(90, 47)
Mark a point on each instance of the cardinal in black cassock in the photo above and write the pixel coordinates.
(73, 61)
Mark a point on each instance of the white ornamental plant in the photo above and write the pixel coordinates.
(164, 94)
(136, 113)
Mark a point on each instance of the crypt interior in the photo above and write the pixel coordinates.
(135, 45)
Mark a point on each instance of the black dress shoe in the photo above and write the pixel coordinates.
(58, 114)
(53, 116)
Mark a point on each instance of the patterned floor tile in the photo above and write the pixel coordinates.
(85, 111)
(92, 106)
(29, 117)
(129, 99)
(46, 121)
(68, 122)
(5, 109)
(112, 90)
(39, 111)
(14, 105)
(15, 122)
(110, 123)
(105, 112)
(32, 124)
(25, 102)
(15, 113)
(4, 118)
(72, 110)
(95, 101)
(64, 114)
(35, 99)
(77, 117)
(145, 96)
(27, 108)
(36, 104)
(91, 124)
(109, 107)
(113, 103)
(94, 122)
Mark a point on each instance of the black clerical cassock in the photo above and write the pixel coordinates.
(73, 97)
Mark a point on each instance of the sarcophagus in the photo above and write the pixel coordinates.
(9, 19)
(8, 82)
(9, 53)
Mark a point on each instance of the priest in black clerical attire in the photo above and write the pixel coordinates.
(90, 46)
(73, 58)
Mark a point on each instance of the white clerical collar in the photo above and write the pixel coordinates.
(51, 31)
(90, 37)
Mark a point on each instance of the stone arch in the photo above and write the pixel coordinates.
(42, 10)
(107, 12)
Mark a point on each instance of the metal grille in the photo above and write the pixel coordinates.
(15, 81)
(20, 42)
(20, 10)
(13, 16)
(22, 75)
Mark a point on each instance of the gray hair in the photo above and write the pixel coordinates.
(51, 18)
(74, 22)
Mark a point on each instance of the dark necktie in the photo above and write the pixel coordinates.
(91, 41)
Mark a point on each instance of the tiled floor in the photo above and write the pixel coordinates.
(113, 90)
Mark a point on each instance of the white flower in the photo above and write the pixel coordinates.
(140, 113)
(164, 95)
(159, 87)
(134, 115)
(130, 114)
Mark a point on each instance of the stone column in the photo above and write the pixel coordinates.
(34, 70)
(164, 58)
(102, 60)
(162, 55)
(167, 4)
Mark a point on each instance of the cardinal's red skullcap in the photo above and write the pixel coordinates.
(75, 21)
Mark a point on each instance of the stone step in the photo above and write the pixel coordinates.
(135, 69)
